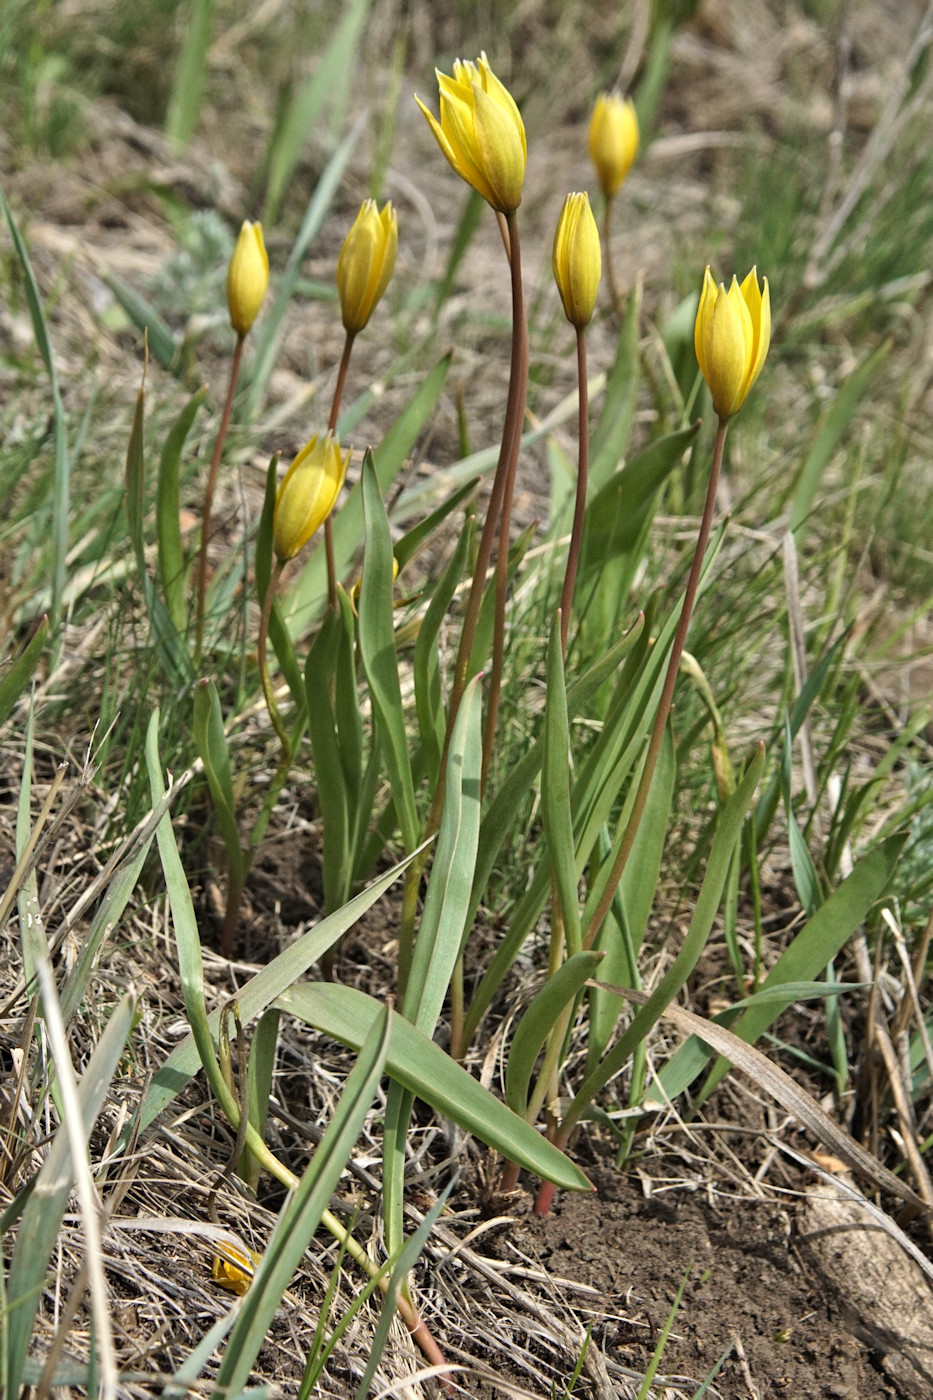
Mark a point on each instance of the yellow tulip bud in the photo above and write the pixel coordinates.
(247, 277)
(366, 263)
(481, 132)
(307, 495)
(613, 139)
(731, 337)
(576, 259)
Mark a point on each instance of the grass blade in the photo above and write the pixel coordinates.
(61, 473)
(184, 104)
(17, 677)
(43, 1212)
(331, 78)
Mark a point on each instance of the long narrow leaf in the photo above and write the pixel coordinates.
(814, 947)
(430, 1074)
(727, 835)
(43, 1212)
(303, 1211)
(555, 791)
(17, 677)
(61, 472)
(330, 78)
(171, 556)
(378, 653)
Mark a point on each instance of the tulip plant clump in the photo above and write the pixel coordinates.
(414, 758)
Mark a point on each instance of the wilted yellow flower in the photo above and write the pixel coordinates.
(234, 1268)
(576, 259)
(366, 263)
(732, 335)
(613, 139)
(247, 277)
(307, 495)
(481, 132)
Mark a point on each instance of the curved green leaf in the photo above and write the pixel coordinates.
(430, 1074)
(538, 1022)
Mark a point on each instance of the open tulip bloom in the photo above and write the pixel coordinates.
(481, 132)
(731, 337)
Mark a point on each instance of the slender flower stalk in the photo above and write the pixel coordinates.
(613, 142)
(579, 509)
(506, 468)
(667, 695)
(732, 337)
(275, 713)
(482, 136)
(247, 285)
(332, 428)
(577, 264)
(209, 496)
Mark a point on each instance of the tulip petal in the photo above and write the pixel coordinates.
(501, 152)
(759, 306)
(707, 301)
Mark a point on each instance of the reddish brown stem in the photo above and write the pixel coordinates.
(332, 428)
(579, 511)
(614, 295)
(515, 411)
(511, 443)
(667, 695)
(209, 497)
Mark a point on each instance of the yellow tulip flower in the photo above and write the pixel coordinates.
(731, 337)
(613, 139)
(307, 495)
(576, 259)
(247, 277)
(366, 263)
(481, 132)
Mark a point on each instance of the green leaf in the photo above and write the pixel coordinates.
(555, 791)
(261, 991)
(184, 104)
(430, 1074)
(171, 556)
(378, 653)
(538, 1022)
(211, 743)
(328, 767)
(438, 943)
(159, 337)
(406, 548)
(61, 473)
(616, 514)
(17, 677)
(728, 832)
(426, 669)
(451, 878)
(304, 1208)
(331, 77)
(622, 935)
